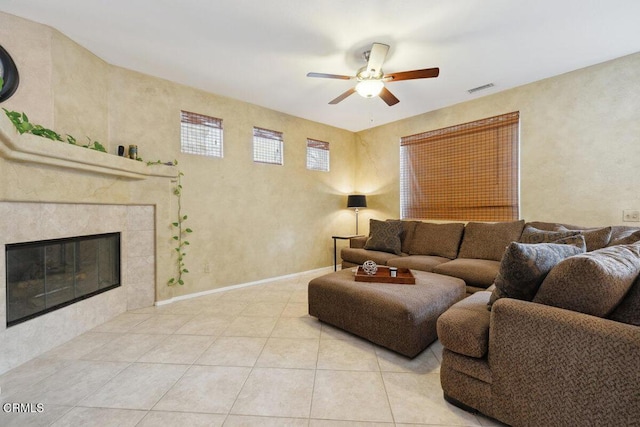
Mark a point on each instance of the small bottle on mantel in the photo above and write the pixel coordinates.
(133, 152)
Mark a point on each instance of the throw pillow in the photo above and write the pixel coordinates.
(624, 237)
(384, 236)
(594, 282)
(484, 240)
(406, 237)
(595, 239)
(437, 239)
(524, 266)
(534, 235)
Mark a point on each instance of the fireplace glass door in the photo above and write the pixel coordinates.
(47, 275)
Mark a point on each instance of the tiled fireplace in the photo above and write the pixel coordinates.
(28, 222)
(52, 191)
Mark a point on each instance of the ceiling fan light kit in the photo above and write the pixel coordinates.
(371, 79)
(369, 88)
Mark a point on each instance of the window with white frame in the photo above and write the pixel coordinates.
(267, 146)
(200, 134)
(317, 155)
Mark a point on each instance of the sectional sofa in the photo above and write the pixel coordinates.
(549, 333)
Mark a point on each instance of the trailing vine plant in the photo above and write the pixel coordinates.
(181, 232)
(23, 125)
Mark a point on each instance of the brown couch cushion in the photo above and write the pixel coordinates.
(483, 240)
(478, 273)
(629, 309)
(359, 256)
(524, 267)
(464, 327)
(592, 283)
(535, 235)
(417, 262)
(384, 236)
(596, 238)
(436, 239)
(623, 235)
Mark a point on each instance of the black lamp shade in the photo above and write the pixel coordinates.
(356, 201)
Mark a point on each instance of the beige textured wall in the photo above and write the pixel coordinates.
(251, 221)
(580, 145)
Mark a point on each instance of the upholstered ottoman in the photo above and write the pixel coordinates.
(399, 317)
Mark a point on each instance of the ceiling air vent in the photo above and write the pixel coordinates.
(479, 88)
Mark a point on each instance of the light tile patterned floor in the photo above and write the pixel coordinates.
(245, 357)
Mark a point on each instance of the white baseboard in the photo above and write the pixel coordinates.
(242, 285)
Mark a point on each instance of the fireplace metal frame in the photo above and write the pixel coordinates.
(50, 242)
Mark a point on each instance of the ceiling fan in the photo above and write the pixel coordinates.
(371, 78)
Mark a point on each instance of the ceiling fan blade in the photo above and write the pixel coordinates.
(388, 97)
(343, 96)
(329, 76)
(415, 74)
(376, 58)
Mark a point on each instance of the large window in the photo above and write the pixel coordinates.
(200, 134)
(464, 172)
(267, 146)
(317, 155)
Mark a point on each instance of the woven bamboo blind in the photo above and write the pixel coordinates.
(200, 134)
(465, 172)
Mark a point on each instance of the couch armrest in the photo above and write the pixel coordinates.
(357, 242)
(560, 367)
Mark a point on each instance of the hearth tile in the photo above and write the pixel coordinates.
(140, 218)
(209, 389)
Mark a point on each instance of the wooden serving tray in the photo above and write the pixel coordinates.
(383, 275)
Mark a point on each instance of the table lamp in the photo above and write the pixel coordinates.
(356, 201)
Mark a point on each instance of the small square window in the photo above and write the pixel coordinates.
(267, 146)
(200, 134)
(317, 155)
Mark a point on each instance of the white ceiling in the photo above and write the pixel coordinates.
(260, 51)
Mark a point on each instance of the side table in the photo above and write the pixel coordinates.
(335, 248)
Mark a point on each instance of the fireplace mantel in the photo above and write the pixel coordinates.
(29, 148)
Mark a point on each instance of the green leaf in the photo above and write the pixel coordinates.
(184, 218)
(181, 282)
(184, 270)
(175, 224)
(175, 237)
(186, 243)
(188, 230)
